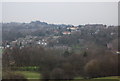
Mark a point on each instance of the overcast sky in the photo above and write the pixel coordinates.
(61, 13)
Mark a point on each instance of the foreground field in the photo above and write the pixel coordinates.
(34, 75)
(111, 77)
(30, 75)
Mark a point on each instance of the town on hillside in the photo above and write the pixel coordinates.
(39, 33)
(38, 50)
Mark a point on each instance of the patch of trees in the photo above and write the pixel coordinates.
(53, 64)
(11, 35)
(94, 60)
(100, 36)
(12, 31)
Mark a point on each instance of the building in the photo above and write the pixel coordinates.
(73, 28)
(66, 33)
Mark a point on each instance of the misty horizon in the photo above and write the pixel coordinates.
(59, 41)
(56, 23)
(61, 13)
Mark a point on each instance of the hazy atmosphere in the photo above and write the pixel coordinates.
(60, 41)
(61, 13)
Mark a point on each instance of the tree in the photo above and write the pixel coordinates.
(85, 54)
(66, 53)
(57, 73)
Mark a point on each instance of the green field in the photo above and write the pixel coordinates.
(96, 80)
(36, 75)
(111, 77)
(29, 74)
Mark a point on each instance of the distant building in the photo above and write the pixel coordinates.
(66, 33)
(41, 43)
(73, 28)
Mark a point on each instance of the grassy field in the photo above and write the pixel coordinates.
(34, 75)
(30, 75)
(96, 80)
(111, 77)
(88, 80)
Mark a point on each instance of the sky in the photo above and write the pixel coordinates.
(74, 13)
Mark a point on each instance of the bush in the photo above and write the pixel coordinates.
(57, 73)
(101, 67)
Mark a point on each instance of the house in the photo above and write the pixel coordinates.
(73, 28)
(66, 33)
(43, 43)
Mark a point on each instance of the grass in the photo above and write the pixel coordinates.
(78, 78)
(29, 74)
(110, 77)
(95, 80)
(35, 75)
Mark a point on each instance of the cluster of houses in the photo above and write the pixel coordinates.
(70, 30)
(44, 41)
(27, 41)
(36, 40)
